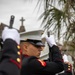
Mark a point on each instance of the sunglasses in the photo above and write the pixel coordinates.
(37, 45)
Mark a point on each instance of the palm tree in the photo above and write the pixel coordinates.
(59, 17)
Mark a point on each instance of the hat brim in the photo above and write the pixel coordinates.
(34, 42)
(38, 44)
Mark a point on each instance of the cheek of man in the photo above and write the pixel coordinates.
(34, 51)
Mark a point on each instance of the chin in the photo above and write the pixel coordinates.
(38, 56)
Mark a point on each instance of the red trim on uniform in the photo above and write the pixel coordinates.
(16, 63)
(69, 68)
(26, 56)
(21, 56)
(21, 51)
(43, 63)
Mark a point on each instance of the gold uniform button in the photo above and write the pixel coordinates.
(18, 47)
(18, 53)
(18, 60)
(68, 68)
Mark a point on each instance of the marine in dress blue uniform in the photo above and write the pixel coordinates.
(10, 60)
(32, 65)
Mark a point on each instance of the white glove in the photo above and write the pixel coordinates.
(50, 40)
(11, 34)
(65, 58)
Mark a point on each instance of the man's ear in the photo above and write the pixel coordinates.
(24, 46)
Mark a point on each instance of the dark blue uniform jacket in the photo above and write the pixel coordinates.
(10, 60)
(34, 66)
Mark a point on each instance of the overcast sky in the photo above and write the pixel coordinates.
(21, 8)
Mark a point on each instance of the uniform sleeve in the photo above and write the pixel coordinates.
(37, 66)
(10, 62)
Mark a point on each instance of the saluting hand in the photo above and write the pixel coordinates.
(11, 34)
(50, 40)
